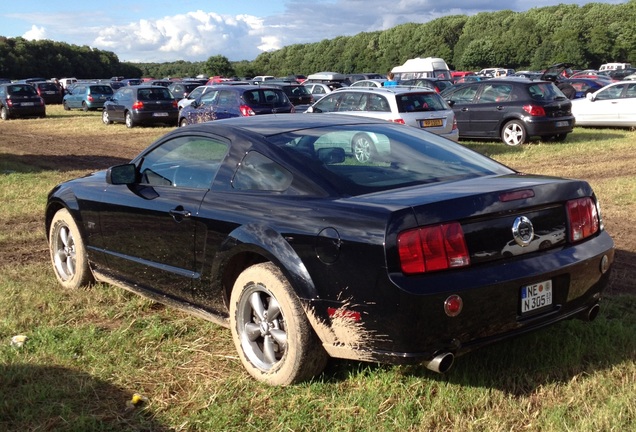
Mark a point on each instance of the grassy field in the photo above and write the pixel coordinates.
(89, 351)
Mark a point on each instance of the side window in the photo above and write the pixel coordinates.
(328, 103)
(465, 95)
(352, 102)
(188, 162)
(631, 91)
(495, 93)
(613, 92)
(258, 172)
(378, 103)
(209, 98)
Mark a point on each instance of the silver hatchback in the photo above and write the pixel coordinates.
(419, 108)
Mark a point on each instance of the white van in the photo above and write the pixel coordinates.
(429, 67)
(614, 66)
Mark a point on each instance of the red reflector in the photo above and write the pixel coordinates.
(453, 305)
(432, 248)
(344, 313)
(534, 110)
(583, 217)
(516, 195)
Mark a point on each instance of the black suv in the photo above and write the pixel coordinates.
(511, 109)
(298, 94)
(20, 100)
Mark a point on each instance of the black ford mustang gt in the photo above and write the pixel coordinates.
(270, 226)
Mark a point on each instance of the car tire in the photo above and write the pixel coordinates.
(183, 122)
(68, 253)
(560, 137)
(271, 332)
(362, 147)
(4, 114)
(514, 133)
(65, 106)
(129, 120)
(84, 107)
(106, 118)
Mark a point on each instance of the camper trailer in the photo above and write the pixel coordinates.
(429, 67)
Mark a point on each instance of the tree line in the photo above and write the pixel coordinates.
(586, 36)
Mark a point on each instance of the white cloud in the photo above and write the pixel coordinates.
(193, 36)
(36, 33)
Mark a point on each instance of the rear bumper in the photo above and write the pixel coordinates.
(545, 126)
(153, 117)
(410, 326)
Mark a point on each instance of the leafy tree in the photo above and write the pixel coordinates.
(219, 65)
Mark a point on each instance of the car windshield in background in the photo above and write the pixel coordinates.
(414, 102)
(545, 91)
(400, 157)
(154, 94)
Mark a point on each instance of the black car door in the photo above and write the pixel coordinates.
(461, 101)
(489, 108)
(149, 229)
(117, 106)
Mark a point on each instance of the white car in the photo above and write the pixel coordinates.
(193, 95)
(421, 108)
(613, 105)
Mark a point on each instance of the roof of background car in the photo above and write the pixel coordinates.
(388, 90)
(273, 124)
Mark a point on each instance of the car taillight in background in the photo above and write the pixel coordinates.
(398, 120)
(138, 105)
(534, 110)
(246, 111)
(432, 248)
(584, 218)
(90, 98)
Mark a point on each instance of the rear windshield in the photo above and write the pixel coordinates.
(21, 89)
(47, 86)
(154, 94)
(267, 97)
(545, 91)
(102, 89)
(418, 102)
(398, 157)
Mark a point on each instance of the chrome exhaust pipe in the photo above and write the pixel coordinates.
(592, 313)
(441, 363)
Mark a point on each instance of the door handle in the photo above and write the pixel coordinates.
(179, 213)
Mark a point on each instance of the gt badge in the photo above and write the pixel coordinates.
(522, 231)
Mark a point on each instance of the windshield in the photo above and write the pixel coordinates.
(376, 157)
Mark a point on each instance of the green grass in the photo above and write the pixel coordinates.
(88, 351)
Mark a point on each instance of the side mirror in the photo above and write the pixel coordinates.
(310, 109)
(194, 104)
(450, 103)
(122, 174)
(590, 97)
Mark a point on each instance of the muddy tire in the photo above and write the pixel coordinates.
(272, 335)
(68, 252)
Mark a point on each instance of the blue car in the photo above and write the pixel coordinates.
(87, 96)
(583, 86)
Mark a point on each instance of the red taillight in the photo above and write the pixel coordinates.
(175, 104)
(584, 218)
(454, 123)
(246, 111)
(90, 98)
(138, 105)
(432, 248)
(398, 120)
(534, 110)
(9, 101)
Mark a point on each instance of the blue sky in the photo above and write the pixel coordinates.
(193, 30)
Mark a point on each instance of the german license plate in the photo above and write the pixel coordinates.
(562, 123)
(49, 92)
(431, 123)
(27, 104)
(536, 296)
(160, 114)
